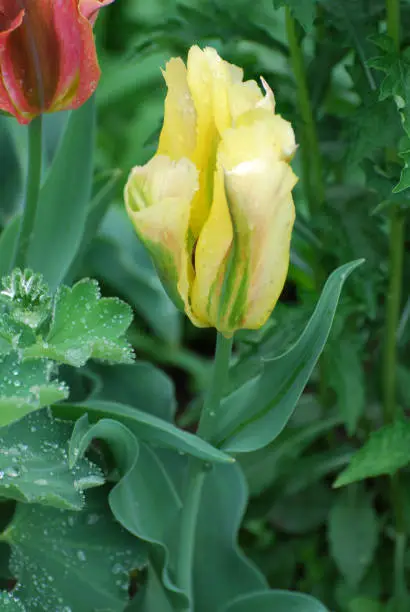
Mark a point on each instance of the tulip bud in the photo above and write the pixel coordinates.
(221, 241)
(48, 60)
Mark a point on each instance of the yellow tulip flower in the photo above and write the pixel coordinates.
(214, 206)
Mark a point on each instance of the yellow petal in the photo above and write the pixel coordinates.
(178, 134)
(261, 205)
(200, 82)
(158, 198)
(258, 188)
(211, 256)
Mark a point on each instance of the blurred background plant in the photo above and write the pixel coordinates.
(350, 114)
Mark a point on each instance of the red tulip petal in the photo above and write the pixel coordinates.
(90, 8)
(9, 22)
(79, 71)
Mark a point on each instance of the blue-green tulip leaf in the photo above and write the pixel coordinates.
(252, 416)
(275, 601)
(64, 199)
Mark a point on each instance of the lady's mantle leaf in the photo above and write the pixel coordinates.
(84, 325)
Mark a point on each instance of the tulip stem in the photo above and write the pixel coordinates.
(35, 132)
(311, 158)
(197, 470)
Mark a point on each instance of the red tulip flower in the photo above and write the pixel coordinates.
(48, 60)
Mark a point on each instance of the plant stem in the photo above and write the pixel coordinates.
(396, 239)
(390, 406)
(396, 235)
(218, 381)
(311, 158)
(32, 191)
(197, 469)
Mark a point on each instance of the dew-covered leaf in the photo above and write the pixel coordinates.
(78, 561)
(26, 386)
(9, 603)
(84, 325)
(27, 297)
(34, 464)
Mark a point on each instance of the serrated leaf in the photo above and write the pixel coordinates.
(27, 297)
(303, 10)
(13, 335)
(34, 464)
(25, 387)
(84, 325)
(277, 601)
(386, 451)
(396, 84)
(251, 417)
(9, 603)
(72, 560)
(353, 534)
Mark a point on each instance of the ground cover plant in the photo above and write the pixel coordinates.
(204, 314)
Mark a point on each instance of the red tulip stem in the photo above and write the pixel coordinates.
(35, 131)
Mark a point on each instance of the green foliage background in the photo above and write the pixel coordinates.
(305, 535)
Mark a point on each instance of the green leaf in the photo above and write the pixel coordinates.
(80, 560)
(137, 384)
(363, 604)
(10, 604)
(251, 417)
(144, 501)
(25, 387)
(10, 171)
(63, 204)
(8, 240)
(146, 427)
(396, 84)
(347, 378)
(303, 511)
(275, 601)
(303, 10)
(34, 464)
(353, 534)
(84, 325)
(218, 559)
(386, 451)
(263, 467)
(96, 212)
(27, 297)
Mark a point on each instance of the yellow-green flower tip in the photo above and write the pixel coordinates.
(214, 206)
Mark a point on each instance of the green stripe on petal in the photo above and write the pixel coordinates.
(158, 199)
